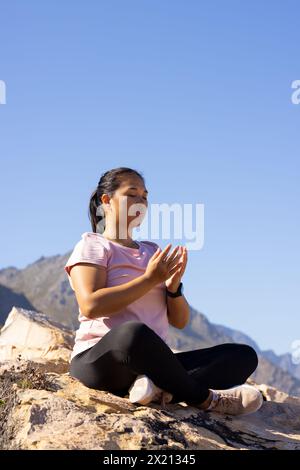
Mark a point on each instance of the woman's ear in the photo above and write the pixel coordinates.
(105, 199)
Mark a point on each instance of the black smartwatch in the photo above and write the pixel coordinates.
(177, 293)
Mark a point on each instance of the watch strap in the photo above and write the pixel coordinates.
(177, 293)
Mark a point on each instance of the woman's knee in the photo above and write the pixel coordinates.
(249, 357)
(243, 354)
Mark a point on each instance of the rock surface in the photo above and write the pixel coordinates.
(72, 416)
(46, 408)
(35, 337)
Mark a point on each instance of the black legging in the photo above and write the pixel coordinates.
(133, 349)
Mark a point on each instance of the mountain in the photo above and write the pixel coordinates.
(8, 298)
(43, 286)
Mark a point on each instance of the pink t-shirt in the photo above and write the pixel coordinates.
(123, 264)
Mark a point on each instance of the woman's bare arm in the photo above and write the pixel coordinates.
(178, 311)
(96, 300)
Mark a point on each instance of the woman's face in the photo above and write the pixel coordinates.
(131, 192)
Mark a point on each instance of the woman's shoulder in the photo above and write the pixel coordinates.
(92, 236)
(89, 249)
(93, 239)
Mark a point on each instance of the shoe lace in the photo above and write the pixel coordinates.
(224, 403)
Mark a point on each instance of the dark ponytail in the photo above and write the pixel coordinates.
(109, 182)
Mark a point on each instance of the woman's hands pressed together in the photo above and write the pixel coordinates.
(172, 283)
(170, 269)
(167, 268)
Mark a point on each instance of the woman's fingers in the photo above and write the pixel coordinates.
(174, 261)
(156, 253)
(169, 259)
(178, 253)
(174, 269)
(173, 254)
(164, 252)
(176, 265)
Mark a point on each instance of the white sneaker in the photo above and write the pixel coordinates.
(241, 400)
(144, 391)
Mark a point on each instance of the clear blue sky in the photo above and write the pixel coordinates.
(196, 96)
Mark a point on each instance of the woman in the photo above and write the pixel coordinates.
(128, 292)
